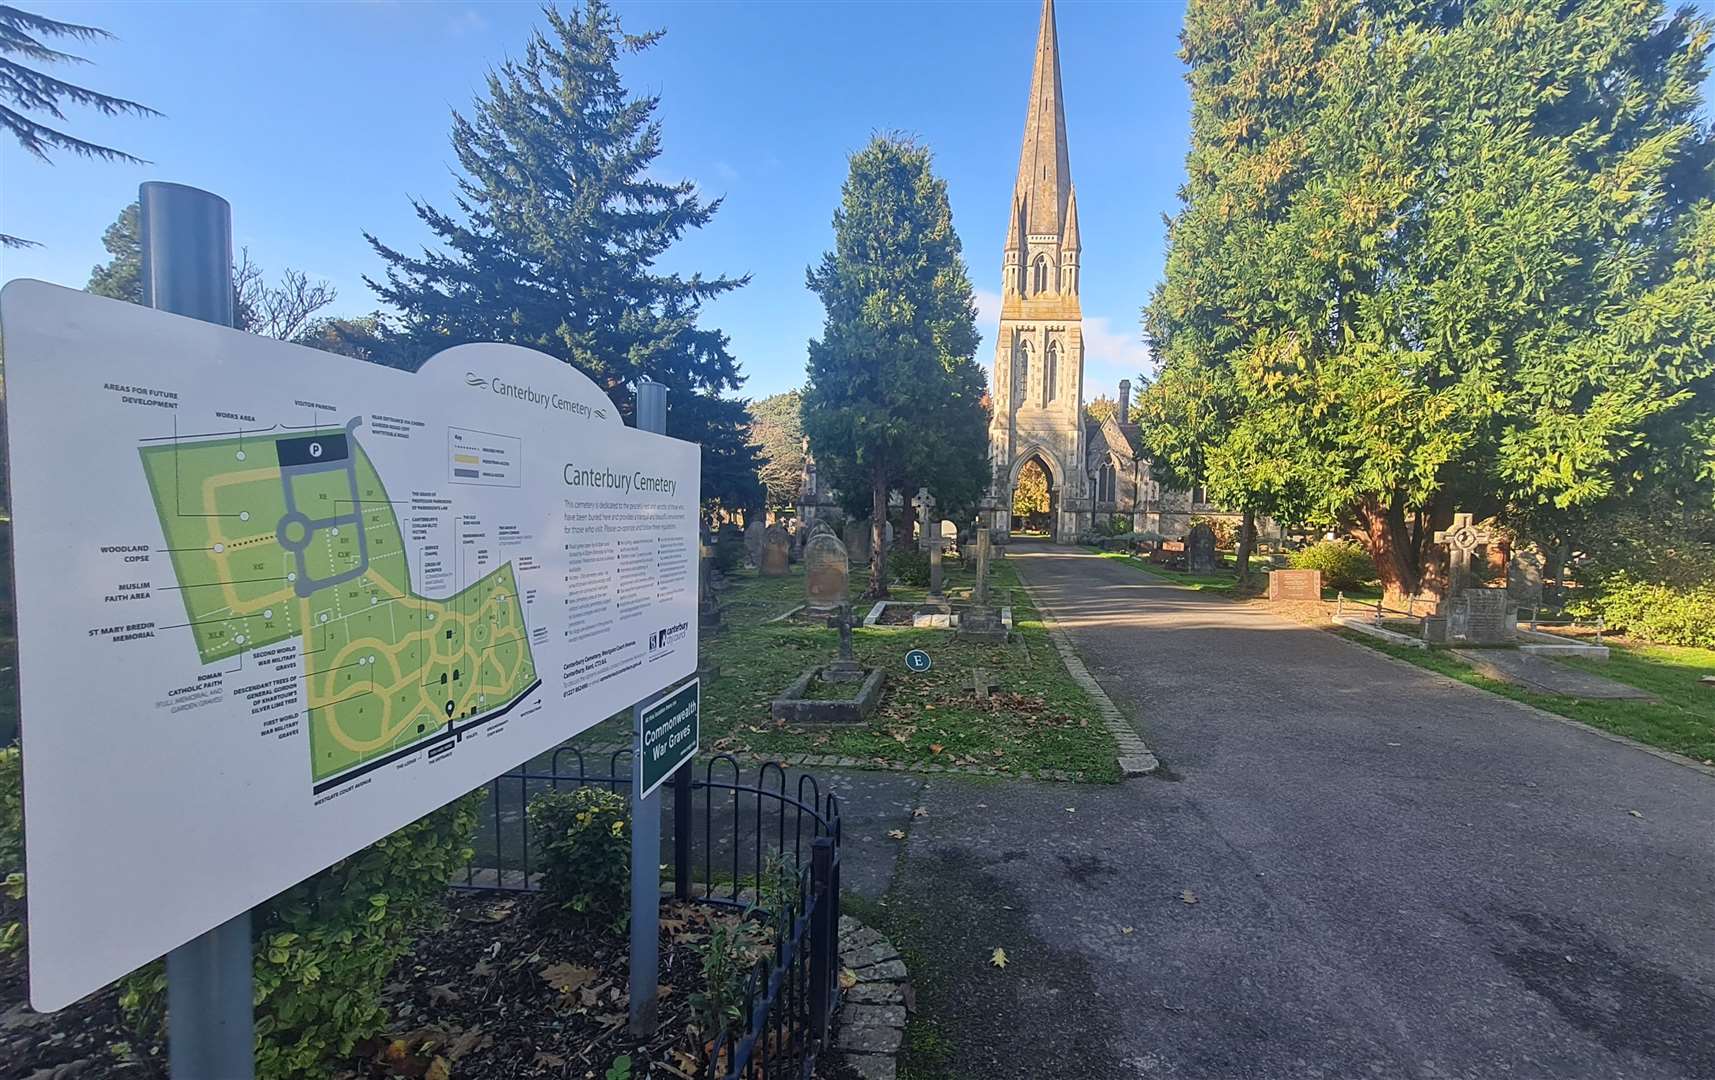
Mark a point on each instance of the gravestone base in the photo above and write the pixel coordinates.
(804, 702)
(982, 623)
(843, 671)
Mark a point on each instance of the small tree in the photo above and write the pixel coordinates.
(775, 427)
(893, 390)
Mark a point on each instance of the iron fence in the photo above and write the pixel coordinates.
(726, 839)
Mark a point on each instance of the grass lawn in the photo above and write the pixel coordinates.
(1222, 584)
(1036, 718)
(1682, 721)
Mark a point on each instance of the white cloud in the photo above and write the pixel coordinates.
(1109, 354)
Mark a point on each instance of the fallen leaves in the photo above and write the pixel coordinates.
(897, 834)
(998, 957)
(1127, 930)
(1635, 813)
(848, 978)
(567, 977)
(1188, 897)
(921, 811)
(936, 748)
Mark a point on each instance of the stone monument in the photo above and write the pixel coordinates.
(776, 552)
(857, 540)
(1462, 540)
(753, 543)
(708, 609)
(925, 504)
(1200, 557)
(981, 621)
(1479, 616)
(826, 574)
(935, 546)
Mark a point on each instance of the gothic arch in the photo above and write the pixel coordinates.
(1039, 275)
(1036, 451)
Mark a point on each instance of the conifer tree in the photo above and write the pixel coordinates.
(894, 395)
(557, 228)
(1438, 256)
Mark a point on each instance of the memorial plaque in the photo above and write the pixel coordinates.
(1295, 585)
(776, 552)
(826, 572)
(1484, 617)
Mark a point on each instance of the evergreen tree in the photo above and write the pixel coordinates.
(1438, 256)
(121, 276)
(556, 233)
(893, 394)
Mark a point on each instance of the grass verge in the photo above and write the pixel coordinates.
(1682, 720)
(1036, 718)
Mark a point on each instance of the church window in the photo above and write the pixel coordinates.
(1051, 378)
(1021, 370)
(1040, 284)
(1199, 495)
(1105, 483)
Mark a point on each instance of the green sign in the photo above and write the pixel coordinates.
(669, 736)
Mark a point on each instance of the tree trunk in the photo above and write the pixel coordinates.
(878, 532)
(1247, 542)
(1390, 545)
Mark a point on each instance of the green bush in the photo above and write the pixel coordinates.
(11, 842)
(585, 838)
(1658, 613)
(908, 566)
(1344, 563)
(325, 947)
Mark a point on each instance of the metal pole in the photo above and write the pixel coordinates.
(645, 813)
(187, 269)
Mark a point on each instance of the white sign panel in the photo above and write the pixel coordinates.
(275, 603)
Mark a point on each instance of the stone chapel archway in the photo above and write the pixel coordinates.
(1034, 495)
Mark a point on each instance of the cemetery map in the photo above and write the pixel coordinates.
(275, 537)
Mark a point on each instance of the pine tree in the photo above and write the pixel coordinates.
(894, 394)
(1438, 256)
(121, 276)
(557, 229)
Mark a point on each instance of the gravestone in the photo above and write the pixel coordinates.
(708, 608)
(729, 548)
(980, 621)
(826, 572)
(1480, 616)
(1295, 584)
(925, 504)
(1524, 578)
(776, 552)
(935, 568)
(1200, 549)
(845, 667)
(753, 543)
(819, 527)
(1462, 539)
(857, 540)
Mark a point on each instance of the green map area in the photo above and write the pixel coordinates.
(293, 536)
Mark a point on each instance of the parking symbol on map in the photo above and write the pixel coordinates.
(315, 449)
(917, 660)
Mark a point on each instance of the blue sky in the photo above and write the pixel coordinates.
(319, 121)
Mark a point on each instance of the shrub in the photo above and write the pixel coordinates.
(1344, 563)
(585, 837)
(11, 842)
(908, 566)
(1658, 613)
(325, 947)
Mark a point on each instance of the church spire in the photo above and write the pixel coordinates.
(1044, 173)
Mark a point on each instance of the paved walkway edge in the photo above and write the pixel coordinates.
(1135, 757)
(869, 1029)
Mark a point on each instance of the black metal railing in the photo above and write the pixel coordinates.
(726, 838)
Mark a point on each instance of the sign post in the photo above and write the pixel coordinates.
(187, 270)
(645, 812)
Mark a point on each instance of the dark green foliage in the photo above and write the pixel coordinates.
(325, 947)
(121, 276)
(585, 838)
(893, 393)
(728, 957)
(908, 566)
(775, 427)
(1344, 563)
(1651, 612)
(1439, 256)
(558, 226)
(30, 90)
(11, 842)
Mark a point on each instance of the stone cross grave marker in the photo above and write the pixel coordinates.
(980, 594)
(1462, 540)
(983, 683)
(826, 570)
(925, 504)
(1200, 549)
(1483, 617)
(776, 552)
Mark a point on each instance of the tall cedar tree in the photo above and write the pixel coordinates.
(1437, 256)
(25, 90)
(557, 232)
(894, 397)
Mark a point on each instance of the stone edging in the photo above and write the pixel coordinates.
(869, 1028)
(1135, 757)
